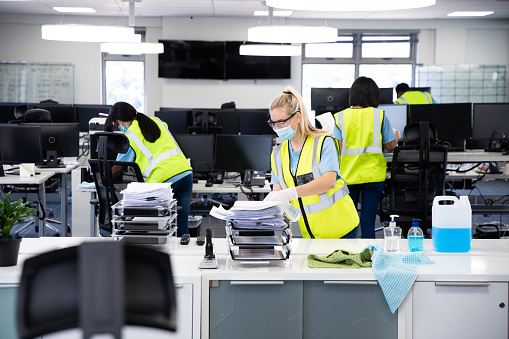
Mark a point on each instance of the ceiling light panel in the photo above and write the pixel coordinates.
(75, 9)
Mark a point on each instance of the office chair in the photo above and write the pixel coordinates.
(418, 173)
(412, 134)
(105, 184)
(96, 286)
(204, 122)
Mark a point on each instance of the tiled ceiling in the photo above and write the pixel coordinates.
(245, 8)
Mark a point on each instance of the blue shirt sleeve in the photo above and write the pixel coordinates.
(329, 160)
(387, 132)
(128, 156)
(336, 132)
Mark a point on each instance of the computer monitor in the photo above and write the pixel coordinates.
(86, 112)
(386, 96)
(228, 119)
(254, 121)
(330, 99)
(453, 121)
(20, 144)
(59, 112)
(397, 115)
(200, 149)
(237, 153)
(177, 119)
(489, 118)
(58, 140)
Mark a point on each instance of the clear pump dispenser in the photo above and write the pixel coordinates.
(392, 235)
(415, 237)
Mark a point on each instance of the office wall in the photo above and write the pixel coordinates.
(452, 41)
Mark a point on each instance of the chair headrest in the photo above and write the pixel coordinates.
(412, 133)
(116, 142)
(37, 115)
(19, 111)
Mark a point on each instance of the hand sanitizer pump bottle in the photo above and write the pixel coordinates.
(392, 236)
(415, 237)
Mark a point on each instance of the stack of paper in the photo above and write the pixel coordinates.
(147, 194)
(252, 214)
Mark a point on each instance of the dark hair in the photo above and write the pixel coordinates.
(365, 93)
(125, 112)
(402, 87)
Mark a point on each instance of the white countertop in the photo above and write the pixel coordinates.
(488, 260)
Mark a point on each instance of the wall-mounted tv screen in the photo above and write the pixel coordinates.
(188, 59)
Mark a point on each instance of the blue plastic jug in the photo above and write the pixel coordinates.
(451, 222)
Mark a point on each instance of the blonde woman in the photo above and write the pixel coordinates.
(305, 172)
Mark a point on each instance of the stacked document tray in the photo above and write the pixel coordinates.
(148, 224)
(258, 231)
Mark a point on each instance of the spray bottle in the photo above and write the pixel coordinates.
(392, 235)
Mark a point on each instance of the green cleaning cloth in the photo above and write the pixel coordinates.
(341, 259)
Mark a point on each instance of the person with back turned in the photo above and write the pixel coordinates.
(363, 131)
(407, 97)
(305, 172)
(153, 148)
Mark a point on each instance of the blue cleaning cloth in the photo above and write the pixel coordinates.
(396, 272)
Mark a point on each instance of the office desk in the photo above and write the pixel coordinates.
(62, 174)
(216, 188)
(469, 156)
(457, 287)
(38, 179)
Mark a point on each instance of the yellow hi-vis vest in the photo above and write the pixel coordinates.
(361, 160)
(415, 98)
(159, 160)
(327, 215)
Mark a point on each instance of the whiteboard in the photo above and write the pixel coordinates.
(35, 82)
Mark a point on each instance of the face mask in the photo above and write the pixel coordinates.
(123, 128)
(286, 133)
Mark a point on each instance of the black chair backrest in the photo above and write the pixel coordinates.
(412, 134)
(103, 178)
(98, 286)
(37, 115)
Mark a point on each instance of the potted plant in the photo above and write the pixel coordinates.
(10, 214)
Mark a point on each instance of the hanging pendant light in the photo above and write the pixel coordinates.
(269, 50)
(89, 33)
(290, 33)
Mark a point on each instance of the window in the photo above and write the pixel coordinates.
(124, 78)
(389, 58)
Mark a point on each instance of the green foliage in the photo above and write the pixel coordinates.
(12, 213)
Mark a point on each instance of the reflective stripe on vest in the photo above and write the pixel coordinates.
(153, 162)
(325, 201)
(323, 216)
(375, 146)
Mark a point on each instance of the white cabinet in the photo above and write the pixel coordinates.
(460, 310)
(8, 327)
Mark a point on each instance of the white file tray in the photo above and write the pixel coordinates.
(144, 211)
(144, 237)
(259, 253)
(143, 223)
(259, 237)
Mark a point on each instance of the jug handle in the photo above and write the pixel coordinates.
(442, 198)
